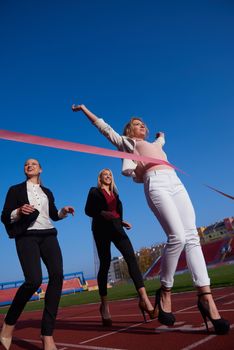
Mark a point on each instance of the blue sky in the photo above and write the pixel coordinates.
(170, 62)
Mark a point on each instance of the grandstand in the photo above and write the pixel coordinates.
(219, 251)
(92, 284)
(73, 283)
(228, 253)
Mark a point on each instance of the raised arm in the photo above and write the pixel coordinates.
(104, 128)
(91, 116)
(160, 138)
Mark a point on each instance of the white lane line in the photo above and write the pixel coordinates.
(135, 325)
(76, 346)
(122, 330)
(111, 333)
(192, 307)
(198, 312)
(98, 316)
(179, 327)
(228, 303)
(202, 341)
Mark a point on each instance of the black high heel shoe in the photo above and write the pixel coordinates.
(166, 318)
(221, 326)
(106, 322)
(143, 308)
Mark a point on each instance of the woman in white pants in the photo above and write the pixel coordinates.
(170, 203)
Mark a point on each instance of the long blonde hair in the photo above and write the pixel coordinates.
(113, 187)
(128, 129)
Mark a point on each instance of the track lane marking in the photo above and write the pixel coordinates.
(115, 332)
(77, 346)
(138, 324)
(202, 341)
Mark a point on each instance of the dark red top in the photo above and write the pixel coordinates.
(111, 202)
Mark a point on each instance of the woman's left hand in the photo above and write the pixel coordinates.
(127, 225)
(160, 134)
(68, 210)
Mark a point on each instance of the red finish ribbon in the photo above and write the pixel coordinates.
(220, 192)
(77, 147)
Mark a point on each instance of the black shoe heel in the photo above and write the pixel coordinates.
(166, 318)
(221, 326)
(143, 312)
(203, 316)
(106, 322)
(143, 308)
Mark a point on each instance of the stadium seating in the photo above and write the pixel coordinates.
(214, 252)
(72, 283)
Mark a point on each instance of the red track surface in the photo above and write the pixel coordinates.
(79, 327)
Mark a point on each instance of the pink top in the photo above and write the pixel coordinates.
(145, 148)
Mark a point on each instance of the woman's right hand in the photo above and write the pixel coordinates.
(77, 108)
(25, 209)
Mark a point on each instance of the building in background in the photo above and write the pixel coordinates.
(219, 230)
(115, 270)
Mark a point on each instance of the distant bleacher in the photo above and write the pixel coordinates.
(72, 283)
(215, 252)
(92, 284)
(228, 254)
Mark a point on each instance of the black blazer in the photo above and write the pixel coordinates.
(96, 202)
(15, 198)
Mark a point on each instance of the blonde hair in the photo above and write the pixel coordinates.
(113, 187)
(128, 129)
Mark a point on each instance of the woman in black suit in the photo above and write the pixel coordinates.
(26, 215)
(104, 206)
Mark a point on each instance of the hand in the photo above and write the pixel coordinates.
(26, 209)
(160, 133)
(127, 225)
(77, 108)
(68, 210)
(107, 215)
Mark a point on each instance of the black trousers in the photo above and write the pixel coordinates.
(31, 249)
(113, 231)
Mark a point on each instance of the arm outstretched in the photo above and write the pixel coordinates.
(91, 116)
(105, 129)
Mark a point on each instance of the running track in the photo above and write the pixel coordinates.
(79, 327)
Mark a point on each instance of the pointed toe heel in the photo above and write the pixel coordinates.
(6, 342)
(144, 310)
(221, 326)
(106, 322)
(166, 318)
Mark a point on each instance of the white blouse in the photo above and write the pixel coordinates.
(39, 200)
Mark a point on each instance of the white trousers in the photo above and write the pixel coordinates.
(170, 203)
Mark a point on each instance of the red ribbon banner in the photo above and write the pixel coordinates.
(77, 147)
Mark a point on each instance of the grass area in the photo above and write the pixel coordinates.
(220, 276)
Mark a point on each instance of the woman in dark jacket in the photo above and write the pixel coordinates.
(104, 206)
(26, 215)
